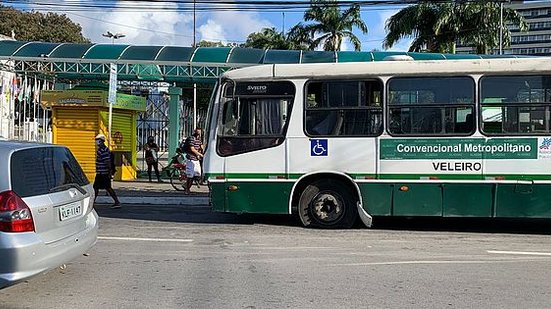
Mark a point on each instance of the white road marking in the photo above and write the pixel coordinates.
(520, 253)
(260, 247)
(145, 239)
(435, 262)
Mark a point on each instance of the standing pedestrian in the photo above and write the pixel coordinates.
(152, 157)
(194, 153)
(104, 170)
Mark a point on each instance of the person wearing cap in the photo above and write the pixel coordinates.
(103, 170)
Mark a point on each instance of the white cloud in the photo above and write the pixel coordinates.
(231, 26)
(164, 27)
(212, 31)
(346, 45)
(161, 25)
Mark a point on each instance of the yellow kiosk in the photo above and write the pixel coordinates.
(78, 115)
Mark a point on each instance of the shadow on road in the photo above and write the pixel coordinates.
(192, 214)
(469, 225)
(204, 215)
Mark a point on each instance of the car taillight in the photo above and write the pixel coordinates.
(15, 215)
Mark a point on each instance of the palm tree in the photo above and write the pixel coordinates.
(330, 25)
(416, 21)
(438, 26)
(486, 17)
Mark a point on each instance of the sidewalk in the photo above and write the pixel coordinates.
(141, 191)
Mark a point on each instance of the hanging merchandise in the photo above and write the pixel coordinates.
(21, 89)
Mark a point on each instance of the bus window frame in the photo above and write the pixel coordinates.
(501, 105)
(366, 108)
(387, 107)
(280, 137)
(211, 116)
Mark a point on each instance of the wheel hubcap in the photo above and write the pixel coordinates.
(327, 207)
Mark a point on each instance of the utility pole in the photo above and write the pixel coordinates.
(193, 23)
(194, 84)
(501, 28)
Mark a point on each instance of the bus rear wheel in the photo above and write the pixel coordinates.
(328, 203)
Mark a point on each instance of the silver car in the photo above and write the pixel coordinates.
(46, 210)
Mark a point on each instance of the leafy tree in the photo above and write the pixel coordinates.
(438, 26)
(36, 26)
(330, 25)
(205, 43)
(270, 38)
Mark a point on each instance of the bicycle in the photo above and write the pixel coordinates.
(176, 172)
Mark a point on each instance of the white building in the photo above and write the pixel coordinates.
(537, 40)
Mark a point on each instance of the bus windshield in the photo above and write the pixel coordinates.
(254, 117)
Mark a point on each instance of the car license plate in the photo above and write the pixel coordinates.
(70, 211)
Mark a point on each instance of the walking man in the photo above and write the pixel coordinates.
(104, 170)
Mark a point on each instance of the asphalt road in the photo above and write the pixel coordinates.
(187, 257)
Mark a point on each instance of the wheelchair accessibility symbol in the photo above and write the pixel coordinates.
(318, 147)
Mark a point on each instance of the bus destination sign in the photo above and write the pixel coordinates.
(460, 149)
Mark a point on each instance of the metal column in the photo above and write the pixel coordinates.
(173, 119)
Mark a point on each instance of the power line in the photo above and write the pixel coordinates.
(208, 5)
(116, 9)
(185, 6)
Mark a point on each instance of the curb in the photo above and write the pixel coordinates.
(156, 200)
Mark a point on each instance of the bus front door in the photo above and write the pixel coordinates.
(255, 182)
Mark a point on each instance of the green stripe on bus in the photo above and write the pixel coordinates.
(295, 176)
(431, 176)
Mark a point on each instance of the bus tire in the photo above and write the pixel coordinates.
(328, 203)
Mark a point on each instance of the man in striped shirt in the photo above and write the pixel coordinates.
(194, 154)
(104, 170)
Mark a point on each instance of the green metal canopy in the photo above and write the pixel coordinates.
(170, 63)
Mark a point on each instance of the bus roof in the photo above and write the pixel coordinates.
(389, 68)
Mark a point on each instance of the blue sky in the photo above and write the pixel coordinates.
(162, 25)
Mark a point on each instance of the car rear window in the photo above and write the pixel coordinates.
(39, 171)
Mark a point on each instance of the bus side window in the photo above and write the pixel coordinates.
(465, 126)
(343, 108)
(326, 125)
(426, 106)
(516, 104)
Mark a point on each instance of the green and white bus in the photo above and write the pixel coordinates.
(337, 142)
